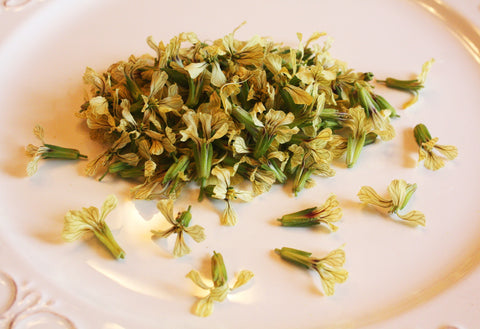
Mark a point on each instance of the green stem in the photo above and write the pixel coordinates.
(58, 152)
(354, 147)
(106, 237)
(262, 144)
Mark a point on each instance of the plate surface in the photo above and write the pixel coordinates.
(400, 277)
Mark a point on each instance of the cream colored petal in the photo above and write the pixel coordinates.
(98, 114)
(382, 126)
(299, 96)
(75, 225)
(93, 78)
(273, 62)
(180, 249)
(245, 196)
(305, 75)
(229, 216)
(242, 278)
(156, 148)
(323, 169)
(32, 166)
(109, 204)
(203, 307)
(218, 77)
(125, 106)
(298, 153)
(330, 211)
(398, 191)
(121, 142)
(197, 279)
(315, 36)
(433, 161)
(158, 234)
(195, 69)
(335, 258)
(219, 294)
(284, 134)
(39, 132)
(166, 208)
(129, 158)
(448, 151)
(219, 133)
(357, 121)
(414, 217)
(330, 276)
(223, 175)
(159, 78)
(196, 232)
(31, 150)
(422, 154)
(150, 167)
(239, 145)
(368, 195)
(425, 69)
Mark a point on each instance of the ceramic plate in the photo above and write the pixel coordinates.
(400, 276)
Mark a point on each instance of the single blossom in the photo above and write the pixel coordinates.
(47, 151)
(219, 290)
(329, 267)
(79, 222)
(179, 226)
(400, 194)
(428, 147)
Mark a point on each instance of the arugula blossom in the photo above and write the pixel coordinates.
(360, 127)
(304, 164)
(427, 146)
(329, 267)
(79, 222)
(327, 214)
(179, 227)
(220, 289)
(203, 129)
(379, 118)
(413, 86)
(223, 190)
(400, 194)
(47, 151)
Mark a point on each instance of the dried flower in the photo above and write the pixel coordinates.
(79, 222)
(223, 190)
(360, 128)
(413, 86)
(179, 227)
(400, 194)
(220, 289)
(427, 145)
(329, 267)
(327, 214)
(269, 111)
(47, 151)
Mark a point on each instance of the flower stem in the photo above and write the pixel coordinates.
(106, 237)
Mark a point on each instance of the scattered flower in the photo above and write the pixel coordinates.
(80, 222)
(327, 214)
(413, 86)
(179, 227)
(329, 267)
(220, 289)
(47, 151)
(427, 145)
(400, 194)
